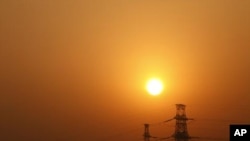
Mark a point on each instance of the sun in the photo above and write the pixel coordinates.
(154, 87)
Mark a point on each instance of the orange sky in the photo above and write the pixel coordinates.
(76, 70)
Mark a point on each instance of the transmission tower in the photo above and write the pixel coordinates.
(181, 131)
(146, 132)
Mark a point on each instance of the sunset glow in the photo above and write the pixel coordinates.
(114, 70)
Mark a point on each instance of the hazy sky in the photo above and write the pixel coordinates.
(76, 70)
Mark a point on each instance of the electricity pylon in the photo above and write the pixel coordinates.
(146, 132)
(181, 131)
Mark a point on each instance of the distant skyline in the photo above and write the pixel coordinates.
(77, 70)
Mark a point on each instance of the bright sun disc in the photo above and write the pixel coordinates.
(154, 86)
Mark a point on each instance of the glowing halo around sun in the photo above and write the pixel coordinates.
(154, 87)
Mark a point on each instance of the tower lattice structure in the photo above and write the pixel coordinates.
(181, 130)
(146, 132)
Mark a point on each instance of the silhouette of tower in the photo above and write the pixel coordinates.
(146, 132)
(181, 131)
